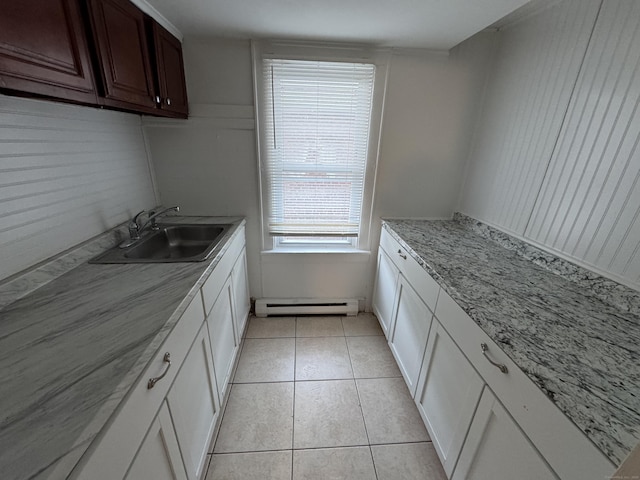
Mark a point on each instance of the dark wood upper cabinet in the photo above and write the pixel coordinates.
(120, 38)
(43, 50)
(172, 90)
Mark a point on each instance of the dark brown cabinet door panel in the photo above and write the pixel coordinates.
(43, 49)
(123, 53)
(170, 66)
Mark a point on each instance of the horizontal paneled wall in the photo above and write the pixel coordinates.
(67, 173)
(556, 158)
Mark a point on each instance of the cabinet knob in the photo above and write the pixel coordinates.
(402, 255)
(158, 100)
(499, 366)
(168, 101)
(152, 381)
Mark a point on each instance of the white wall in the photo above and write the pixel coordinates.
(67, 173)
(556, 158)
(208, 164)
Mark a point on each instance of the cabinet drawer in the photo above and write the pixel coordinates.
(112, 454)
(569, 452)
(423, 284)
(213, 284)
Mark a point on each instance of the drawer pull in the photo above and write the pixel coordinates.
(402, 255)
(152, 381)
(499, 366)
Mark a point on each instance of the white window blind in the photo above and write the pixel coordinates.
(317, 121)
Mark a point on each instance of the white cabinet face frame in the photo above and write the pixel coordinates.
(194, 405)
(385, 290)
(159, 455)
(410, 324)
(447, 395)
(496, 448)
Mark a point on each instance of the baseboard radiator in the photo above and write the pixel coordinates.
(305, 306)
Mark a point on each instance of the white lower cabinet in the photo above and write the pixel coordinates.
(224, 344)
(496, 448)
(240, 285)
(447, 395)
(159, 455)
(384, 290)
(411, 321)
(194, 405)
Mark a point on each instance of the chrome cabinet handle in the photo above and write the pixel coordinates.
(168, 100)
(499, 366)
(152, 381)
(158, 100)
(402, 255)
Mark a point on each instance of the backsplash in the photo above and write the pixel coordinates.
(67, 173)
(595, 285)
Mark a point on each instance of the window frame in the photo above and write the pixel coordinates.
(330, 53)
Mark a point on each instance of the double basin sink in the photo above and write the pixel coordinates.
(169, 243)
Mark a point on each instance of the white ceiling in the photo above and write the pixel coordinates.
(433, 24)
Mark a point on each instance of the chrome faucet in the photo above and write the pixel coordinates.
(136, 229)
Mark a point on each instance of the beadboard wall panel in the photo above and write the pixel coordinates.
(589, 203)
(67, 174)
(528, 92)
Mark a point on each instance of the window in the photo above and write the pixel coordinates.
(315, 143)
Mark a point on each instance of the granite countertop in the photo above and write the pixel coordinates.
(71, 349)
(574, 334)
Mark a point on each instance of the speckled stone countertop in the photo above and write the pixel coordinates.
(576, 335)
(72, 348)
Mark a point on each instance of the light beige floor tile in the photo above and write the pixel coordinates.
(319, 327)
(333, 463)
(407, 461)
(322, 358)
(271, 327)
(371, 357)
(362, 324)
(251, 466)
(266, 360)
(259, 416)
(389, 411)
(328, 414)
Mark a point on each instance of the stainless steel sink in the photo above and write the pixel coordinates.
(170, 243)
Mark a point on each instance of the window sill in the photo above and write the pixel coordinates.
(316, 250)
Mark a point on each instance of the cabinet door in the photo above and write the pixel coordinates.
(385, 290)
(159, 455)
(496, 448)
(410, 329)
(43, 50)
(448, 392)
(170, 70)
(242, 302)
(193, 402)
(223, 338)
(123, 53)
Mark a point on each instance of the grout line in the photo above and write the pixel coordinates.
(293, 418)
(355, 383)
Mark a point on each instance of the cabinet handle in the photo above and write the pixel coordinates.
(158, 100)
(168, 101)
(402, 255)
(152, 381)
(499, 366)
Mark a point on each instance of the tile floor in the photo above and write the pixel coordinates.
(320, 398)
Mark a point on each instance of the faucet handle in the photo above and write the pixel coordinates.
(134, 226)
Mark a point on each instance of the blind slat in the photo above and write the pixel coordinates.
(317, 135)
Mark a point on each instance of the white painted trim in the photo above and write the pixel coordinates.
(150, 10)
